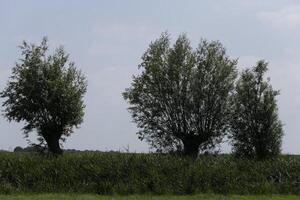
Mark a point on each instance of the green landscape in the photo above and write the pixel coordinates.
(205, 125)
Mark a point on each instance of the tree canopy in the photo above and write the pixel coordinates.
(46, 92)
(256, 128)
(180, 100)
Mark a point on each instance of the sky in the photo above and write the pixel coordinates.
(106, 40)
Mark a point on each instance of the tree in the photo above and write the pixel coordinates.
(180, 99)
(46, 92)
(256, 129)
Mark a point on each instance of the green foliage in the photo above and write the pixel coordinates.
(180, 99)
(73, 196)
(46, 92)
(117, 173)
(256, 129)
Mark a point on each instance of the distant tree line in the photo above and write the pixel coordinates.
(184, 101)
(40, 149)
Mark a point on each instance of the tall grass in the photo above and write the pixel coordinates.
(120, 173)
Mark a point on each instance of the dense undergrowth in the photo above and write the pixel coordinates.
(124, 173)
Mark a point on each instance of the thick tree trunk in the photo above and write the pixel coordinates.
(53, 145)
(191, 147)
(52, 136)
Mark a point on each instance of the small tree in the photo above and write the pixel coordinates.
(256, 129)
(180, 99)
(46, 92)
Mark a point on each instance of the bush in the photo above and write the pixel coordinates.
(118, 173)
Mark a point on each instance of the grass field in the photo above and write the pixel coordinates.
(145, 197)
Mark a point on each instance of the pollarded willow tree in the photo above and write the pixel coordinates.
(45, 92)
(256, 128)
(180, 101)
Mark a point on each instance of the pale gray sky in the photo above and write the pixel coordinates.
(107, 38)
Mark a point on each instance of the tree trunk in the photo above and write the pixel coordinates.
(191, 147)
(52, 137)
(53, 143)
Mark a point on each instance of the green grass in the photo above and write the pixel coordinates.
(139, 174)
(144, 197)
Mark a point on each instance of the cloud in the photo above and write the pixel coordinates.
(124, 32)
(286, 17)
(247, 61)
(4, 73)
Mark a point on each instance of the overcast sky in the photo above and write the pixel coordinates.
(106, 40)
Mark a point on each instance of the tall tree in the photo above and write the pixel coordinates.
(180, 99)
(46, 92)
(256, 129)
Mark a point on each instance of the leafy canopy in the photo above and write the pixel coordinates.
(46, 92)
(256, 128)
(180, 99)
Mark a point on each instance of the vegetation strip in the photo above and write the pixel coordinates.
(125, 173)
(146, 197)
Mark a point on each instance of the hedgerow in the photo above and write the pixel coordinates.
(125, 173)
